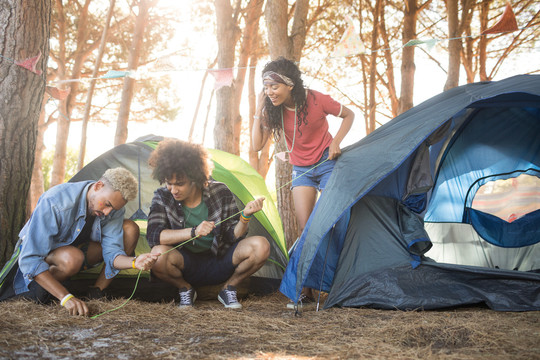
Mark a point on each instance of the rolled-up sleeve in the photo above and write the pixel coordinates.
(38, 237)
(112, 241)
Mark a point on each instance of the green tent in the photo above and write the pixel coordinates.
(245, 183)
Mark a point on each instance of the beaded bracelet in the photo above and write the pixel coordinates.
(245, 219)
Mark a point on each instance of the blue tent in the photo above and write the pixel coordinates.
(413, 216)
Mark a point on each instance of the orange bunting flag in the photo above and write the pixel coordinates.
(350, 43)
(57, 93)
(30, 64)
(224, 77)
(507, 23)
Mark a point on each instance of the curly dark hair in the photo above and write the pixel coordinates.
(272, 114)
(182, 159)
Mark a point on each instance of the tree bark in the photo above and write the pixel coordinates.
(373, 69)
(276, 17)
(392, 93)
(37, 187)
(483, 42)
(227, 36)
(261, 160)
(250, 32)
(408, 67)
(133, 62)
(454, 45)
(25, 34)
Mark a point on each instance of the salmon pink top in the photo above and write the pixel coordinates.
(312, 138)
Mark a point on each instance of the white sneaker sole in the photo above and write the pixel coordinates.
(230, 306)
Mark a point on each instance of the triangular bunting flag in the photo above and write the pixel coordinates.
(30, 64)
(224, 77)
(112, 74)
(350, 43)
(430, 43)
(413, 42)
(507, 23)
(57, 93)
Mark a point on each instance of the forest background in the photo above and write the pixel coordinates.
(79, 77)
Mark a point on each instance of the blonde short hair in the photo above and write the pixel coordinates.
(122, 180)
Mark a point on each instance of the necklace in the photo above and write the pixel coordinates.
(294, 131)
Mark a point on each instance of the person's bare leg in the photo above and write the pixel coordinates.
(304, 198)
(169, 267)
(248, 257)
(94, 254)
(64, 262)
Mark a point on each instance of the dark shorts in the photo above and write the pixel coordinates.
(83, 246)
(202, 269)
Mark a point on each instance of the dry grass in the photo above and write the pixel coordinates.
(263, 329)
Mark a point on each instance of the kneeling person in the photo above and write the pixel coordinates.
(202, 213)
(75, 225)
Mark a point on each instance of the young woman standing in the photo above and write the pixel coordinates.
(287, 107)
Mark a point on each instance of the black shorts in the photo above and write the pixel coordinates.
(204, 268)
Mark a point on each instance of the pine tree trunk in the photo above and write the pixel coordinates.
(227, 37)
(261, 160)
(454, 46)
(373, 69)
(37, 187)
(408, 67)
(254, 12)
(280, 44)
(129, 83)
(25, 33)
(482, 43)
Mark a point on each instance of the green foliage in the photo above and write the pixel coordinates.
(47, 164)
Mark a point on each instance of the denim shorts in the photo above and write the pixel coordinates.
(204, 268)
(313, 175)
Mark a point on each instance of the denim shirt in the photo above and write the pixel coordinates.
(59, 216)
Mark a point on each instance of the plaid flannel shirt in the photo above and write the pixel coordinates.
(168, 213)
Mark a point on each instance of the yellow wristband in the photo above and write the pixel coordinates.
(65, 299)
(133, 262)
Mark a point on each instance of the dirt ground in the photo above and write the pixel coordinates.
(263, 329)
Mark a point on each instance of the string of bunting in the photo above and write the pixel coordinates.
(349, 45)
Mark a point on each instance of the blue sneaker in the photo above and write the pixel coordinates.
(187, 297)
(228, 298)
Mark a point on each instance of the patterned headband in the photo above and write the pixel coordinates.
(275, 77)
